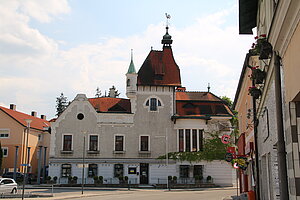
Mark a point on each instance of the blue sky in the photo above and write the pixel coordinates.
(76, 46)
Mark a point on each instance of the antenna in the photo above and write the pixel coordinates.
(208, 87)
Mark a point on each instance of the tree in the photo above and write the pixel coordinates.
(227, 101)
(113, 92)
(61, 104)
(1, 157)
(98, 92)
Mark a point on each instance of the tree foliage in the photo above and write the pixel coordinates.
(98, 93)
(213, 149)
(61, 104)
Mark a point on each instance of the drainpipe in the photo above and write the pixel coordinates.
(257, 188)
(281, 152)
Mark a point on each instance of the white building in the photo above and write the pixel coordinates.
(124, 137)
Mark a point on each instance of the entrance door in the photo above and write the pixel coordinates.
(144, 173)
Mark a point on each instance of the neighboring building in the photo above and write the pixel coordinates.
(14, 132)
(124, 137)
(278, 108)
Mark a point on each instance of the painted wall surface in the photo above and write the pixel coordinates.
(291, 67)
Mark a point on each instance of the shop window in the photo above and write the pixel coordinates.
(118, 170)
(66, 170)
(93, 170)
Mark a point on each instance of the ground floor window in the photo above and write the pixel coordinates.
(118, 170)
(66, 170)
(184, 171)
(93, 170)
(198, 171)
(4, 151)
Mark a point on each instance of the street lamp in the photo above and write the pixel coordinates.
(28, 121)
(15, 164)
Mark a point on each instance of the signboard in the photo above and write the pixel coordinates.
(132, 170)
(225, 139)
(228, 157)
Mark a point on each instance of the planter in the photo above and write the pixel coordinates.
(255, 93)
(258, 75)
(265, 50)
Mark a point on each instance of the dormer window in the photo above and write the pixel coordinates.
(153, 104)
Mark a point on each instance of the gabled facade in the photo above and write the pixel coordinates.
(124, 137)
(14, 132)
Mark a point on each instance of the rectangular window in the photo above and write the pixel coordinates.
(198, 170)
(184, 171)
(118, 170)
(153, 104)
(5, 151)
(4, 133)
(66, 170)
(93, 170)
(200, 140)
(67, 143)
(194, 140)
(119, 143)
(181, 140)
(187, 140)
(93, 146)
(144, 143)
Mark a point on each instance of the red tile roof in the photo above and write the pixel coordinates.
(159, 68)
(200, 104)
(108, 104)
(37, 123)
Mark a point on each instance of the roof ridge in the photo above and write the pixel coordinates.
(23, 113)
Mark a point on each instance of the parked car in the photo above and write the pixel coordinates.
(11, 175)
(8, 185)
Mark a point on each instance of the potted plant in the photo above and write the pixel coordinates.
(174, 179)
(75, 179)
(258, 75)
(96, 179)
(262, 47)
(255, 92)
(121, 179)
(55, 179)
(208, 179)
(126, 179)
(100, 179)
(48, 179)
(70, 179)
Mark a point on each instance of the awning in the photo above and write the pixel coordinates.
(247, 15)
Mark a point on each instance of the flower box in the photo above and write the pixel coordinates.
(258, 75)
(255, 92)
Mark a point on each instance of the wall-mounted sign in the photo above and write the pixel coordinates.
(228, 157)
(225, 139)
(132, 170)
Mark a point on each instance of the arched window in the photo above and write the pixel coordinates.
(154, 103)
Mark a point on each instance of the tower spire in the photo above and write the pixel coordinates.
(167, 39)
(131, 69)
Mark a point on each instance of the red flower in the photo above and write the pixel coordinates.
(256, 37)
(263, 35)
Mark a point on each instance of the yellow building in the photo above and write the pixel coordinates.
(16, 134)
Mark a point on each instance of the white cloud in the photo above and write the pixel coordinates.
(35, 71)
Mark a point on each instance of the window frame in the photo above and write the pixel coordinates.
(181, 170)
(158, 103)
(8, 134)
(90, 169)
(5, 149)
(89, 142)
(69, 168)
(72, 141)
(182, 147)
(121, 168)
(115, 137)
(140, 143)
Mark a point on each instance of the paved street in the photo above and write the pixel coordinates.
(135, 194)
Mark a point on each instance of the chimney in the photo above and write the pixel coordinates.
(33, 113)
(12, 107)
(43, 117)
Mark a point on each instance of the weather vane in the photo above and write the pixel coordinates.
(168, 16)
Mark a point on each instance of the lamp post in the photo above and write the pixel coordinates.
(28, 121)
(15, 164)
(39, 165)
(80, 117)
(44, 168)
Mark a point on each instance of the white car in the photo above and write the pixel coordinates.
(8, 185)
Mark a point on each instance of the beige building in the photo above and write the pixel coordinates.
(15, 138)
(278, 109)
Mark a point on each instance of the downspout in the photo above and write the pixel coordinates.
(257, 188)
(281, 152)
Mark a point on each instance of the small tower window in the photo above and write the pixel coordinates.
(128, 82)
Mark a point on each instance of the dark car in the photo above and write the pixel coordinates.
(11, 175)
